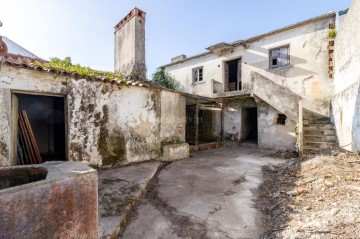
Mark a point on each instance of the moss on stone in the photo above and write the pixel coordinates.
(172, 142)
(111, 146)
(76, 152)
(3, 150)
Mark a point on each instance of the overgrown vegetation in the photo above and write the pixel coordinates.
(172, 142)
(66, 64)
(94, 166)
(164, 79)
(332, 33)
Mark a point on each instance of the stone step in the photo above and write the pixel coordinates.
(320, 138)
(319, 145)
(317, 121)
(318, 126)
(326, 132)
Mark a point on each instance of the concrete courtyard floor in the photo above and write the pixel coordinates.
(210, 195)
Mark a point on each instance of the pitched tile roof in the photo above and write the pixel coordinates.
(252, 39)
(29, 63)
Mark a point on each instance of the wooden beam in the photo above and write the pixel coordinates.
(196, 121)
(223, 107)
(34, 145)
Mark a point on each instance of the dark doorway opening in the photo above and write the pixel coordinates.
(207, 132)
(46, 115)
(233, 75)
(249, 125)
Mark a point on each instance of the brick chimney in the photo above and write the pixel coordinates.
(130, 44)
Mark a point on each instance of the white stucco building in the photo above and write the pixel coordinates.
(283, 73)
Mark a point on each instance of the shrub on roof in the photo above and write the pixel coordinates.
(60, 65)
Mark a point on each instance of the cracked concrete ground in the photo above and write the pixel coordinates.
(210, 195)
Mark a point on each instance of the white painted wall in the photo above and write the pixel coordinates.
(173, 117)
(347, 50)
(307, 76)
(272, 135)
(346, 103)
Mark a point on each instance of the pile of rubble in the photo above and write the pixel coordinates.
(314, 198)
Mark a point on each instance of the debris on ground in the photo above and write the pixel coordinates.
(313, 198)
(285, 154)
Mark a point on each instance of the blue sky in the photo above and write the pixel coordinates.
(83, 29)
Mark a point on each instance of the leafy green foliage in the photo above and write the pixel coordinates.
(164, 79)
(86, 72)
(332, 33)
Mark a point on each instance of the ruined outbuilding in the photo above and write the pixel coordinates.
(97, 119)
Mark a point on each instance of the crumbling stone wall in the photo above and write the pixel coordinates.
(4, 126)
(106, 124)
(111, 125)
(20, 80)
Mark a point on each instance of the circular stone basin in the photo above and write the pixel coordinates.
(15, 176)
(51, 200)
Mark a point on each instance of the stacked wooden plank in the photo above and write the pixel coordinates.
(27, 148)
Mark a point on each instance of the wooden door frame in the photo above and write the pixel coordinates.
(226, 76)
(14, 114)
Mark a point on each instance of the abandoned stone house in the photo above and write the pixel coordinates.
(258, 90)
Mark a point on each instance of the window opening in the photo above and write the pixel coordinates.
(279, 57)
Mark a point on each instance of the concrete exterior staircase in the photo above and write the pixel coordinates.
(319, 135)
(279, 97)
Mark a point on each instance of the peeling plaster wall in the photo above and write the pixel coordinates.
(109, 125)
(307, 76)
(25, 81)
(346, 103)
(346, 117)
(173, 117)
(233, 121)
(4, 125)
(106, 124)
(271, 135)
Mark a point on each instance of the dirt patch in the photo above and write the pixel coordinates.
(285, 154)
(316, 198)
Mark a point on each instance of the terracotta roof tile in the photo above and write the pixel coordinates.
(28, 63)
